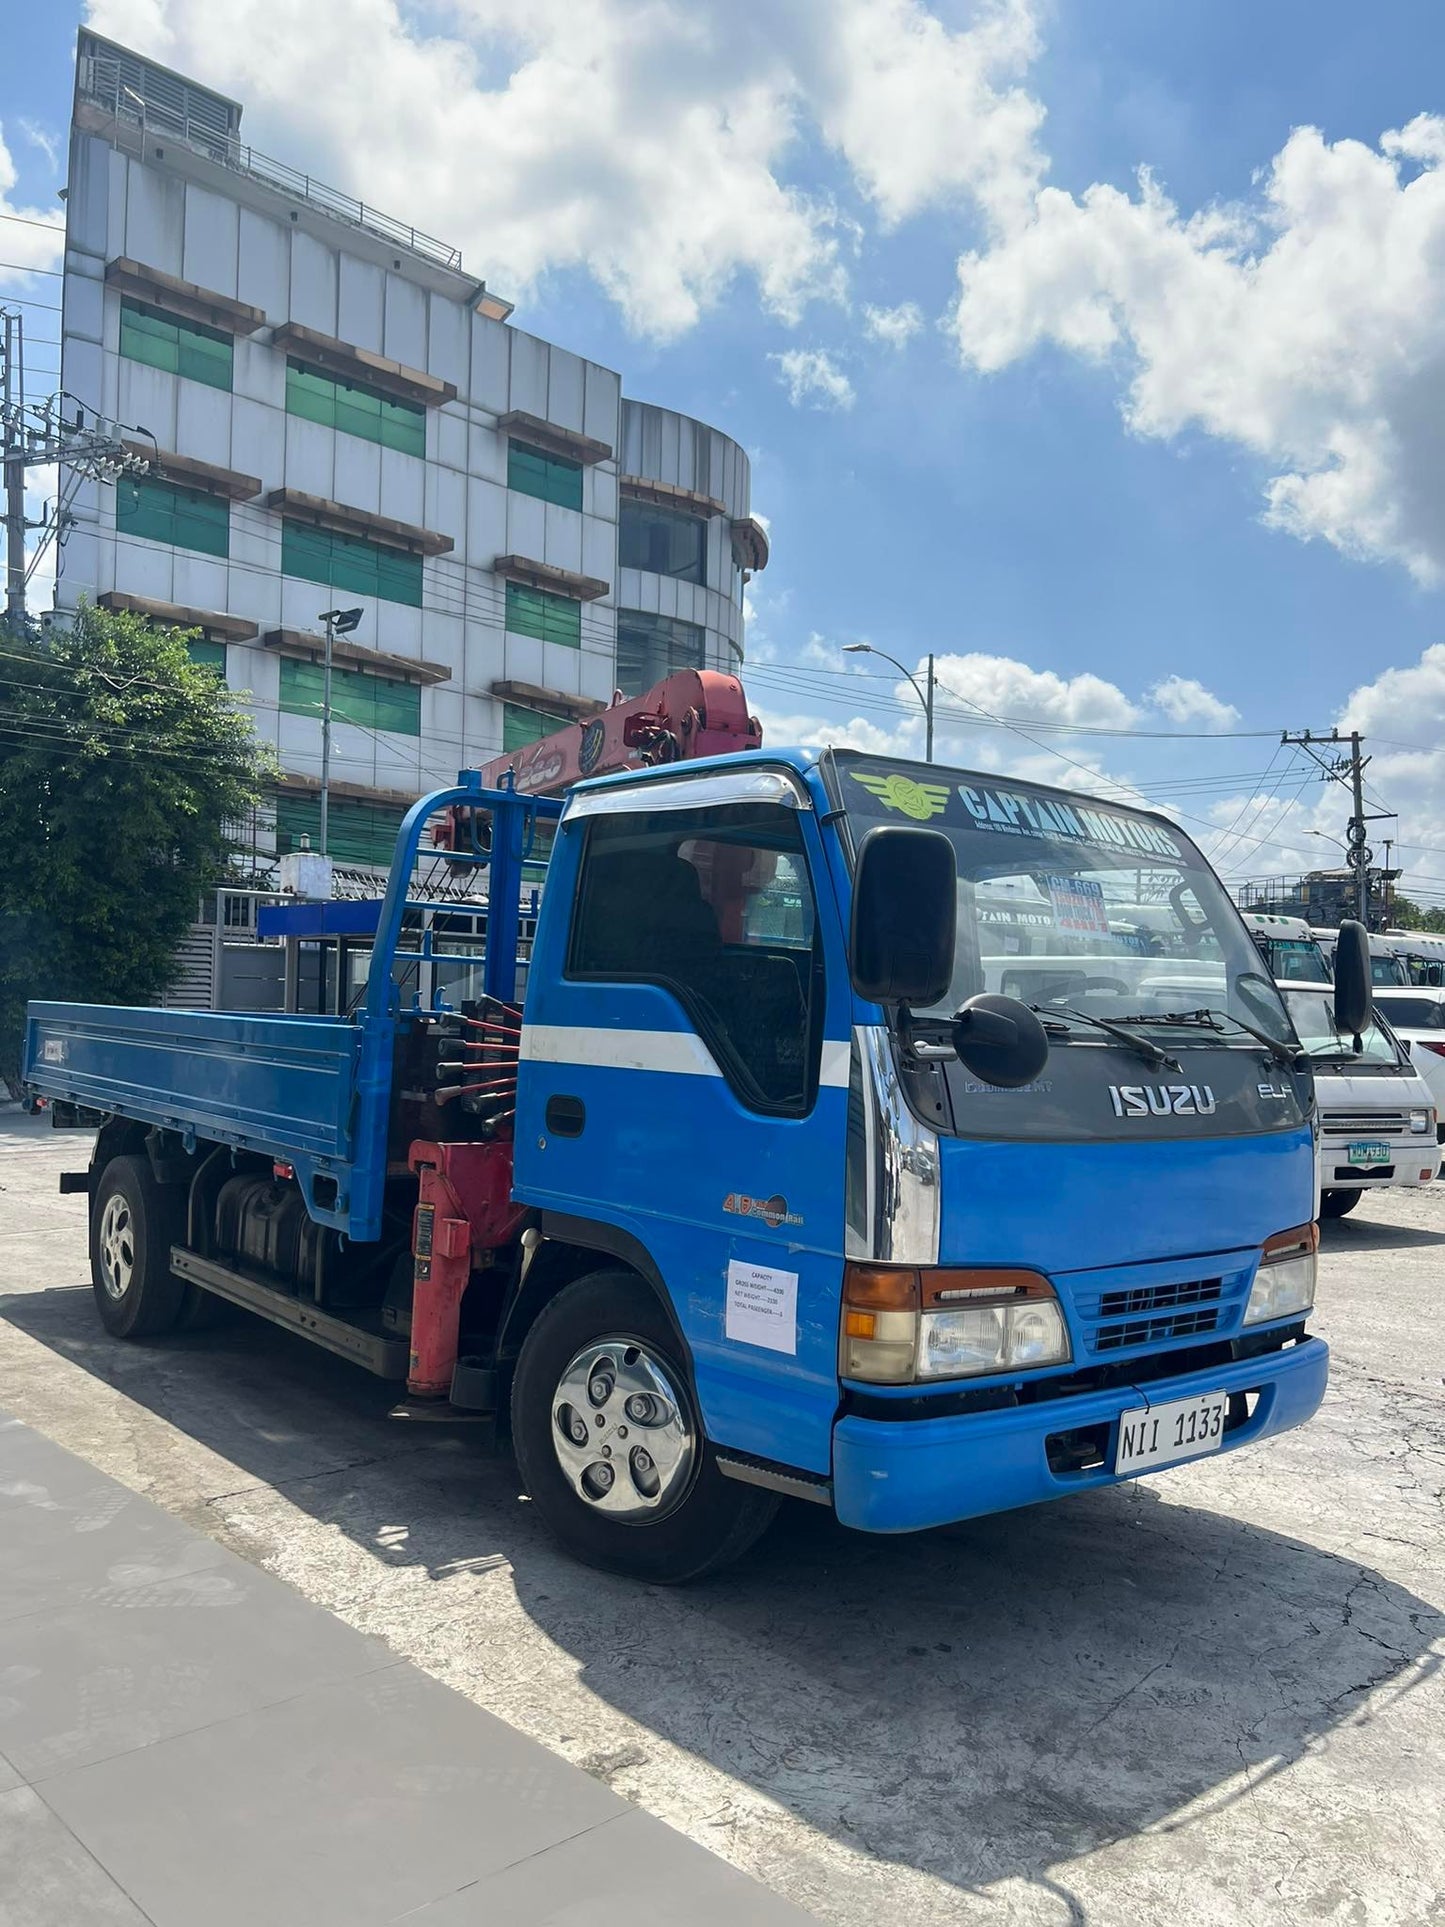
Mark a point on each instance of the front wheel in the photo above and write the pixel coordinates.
(610, 1444)
(1337, 1204)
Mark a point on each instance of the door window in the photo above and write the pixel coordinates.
(716, 906)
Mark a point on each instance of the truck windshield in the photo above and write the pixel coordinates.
(1314, 1018)
(1299, 958)
(1067, 901)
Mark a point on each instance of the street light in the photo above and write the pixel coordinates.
(867, 649)
(339, 622)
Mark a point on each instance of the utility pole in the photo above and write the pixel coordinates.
(1385, 877)
(1347, 769)
(85, 445)
(12, 345)
(339, 622)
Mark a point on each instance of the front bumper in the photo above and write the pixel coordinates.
(906, 1475)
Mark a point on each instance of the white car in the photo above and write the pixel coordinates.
(1377, 1116)
(1417, 1018)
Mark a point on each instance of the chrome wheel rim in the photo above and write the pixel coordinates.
(622, 1432)
(116, 1244)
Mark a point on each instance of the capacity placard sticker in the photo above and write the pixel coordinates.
(762, 1307)
(1079, 906)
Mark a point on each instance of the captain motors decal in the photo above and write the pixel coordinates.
(1004, 811)
(1011, 813)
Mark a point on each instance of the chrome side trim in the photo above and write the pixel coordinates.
(902, 1204)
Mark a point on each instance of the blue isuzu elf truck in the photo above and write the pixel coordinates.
(914, 1142)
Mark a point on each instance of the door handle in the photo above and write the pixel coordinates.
(566, 1116)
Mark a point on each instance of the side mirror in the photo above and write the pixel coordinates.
(1354, 995)
(1000, 1040)
(905, 913)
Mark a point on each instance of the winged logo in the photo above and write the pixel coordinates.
(921, 801)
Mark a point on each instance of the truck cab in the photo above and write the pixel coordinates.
(1289, 947)
(856, 1139)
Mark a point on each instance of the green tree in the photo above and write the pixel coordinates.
(121, 764)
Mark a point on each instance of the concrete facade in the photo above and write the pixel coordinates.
(170, 219)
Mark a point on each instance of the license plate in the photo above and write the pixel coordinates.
(1369, 1154)
(1153, 1435)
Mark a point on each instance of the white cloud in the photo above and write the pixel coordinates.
(813, 379)
(894, 327)
(27, 246)
(924, 115)
(646, 141)
(1007, 687)
(1183, 700)
(41, 137)
(1307, 327)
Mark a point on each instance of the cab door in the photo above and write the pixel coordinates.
(687, 1035)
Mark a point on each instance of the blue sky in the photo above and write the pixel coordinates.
(1063, 478)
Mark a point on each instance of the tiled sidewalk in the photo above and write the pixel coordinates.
(184, 1739)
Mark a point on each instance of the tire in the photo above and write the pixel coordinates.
(608, 1328)
(1339, 1204)
(133, 1223)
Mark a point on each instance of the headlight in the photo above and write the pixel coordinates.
(902, 1324)
(1004, 1338)
(1422, 1121)
(1284, 1285)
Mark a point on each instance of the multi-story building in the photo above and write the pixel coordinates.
(335, 412)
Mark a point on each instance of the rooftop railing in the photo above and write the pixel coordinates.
(104, 86)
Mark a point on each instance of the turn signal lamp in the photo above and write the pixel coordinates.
(1284, 1285)
(903, 1323)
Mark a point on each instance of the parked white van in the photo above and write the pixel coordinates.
(1385, 966)
(1377, 1118)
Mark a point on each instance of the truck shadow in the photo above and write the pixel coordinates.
(1365, 1234)
(985, 1702)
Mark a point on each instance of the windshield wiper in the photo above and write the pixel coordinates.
(1211, 1019)
(1144, 1047)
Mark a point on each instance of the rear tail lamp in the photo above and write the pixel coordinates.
(1284, 1285)
(903, 1323)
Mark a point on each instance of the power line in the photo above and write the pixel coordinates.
(21, 220)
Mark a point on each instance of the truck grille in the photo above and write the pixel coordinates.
(1154, 1331)
(1149, 1298)
(1364, 1123)
(1120, 1312)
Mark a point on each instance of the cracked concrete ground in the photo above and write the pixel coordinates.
(1214, 1696)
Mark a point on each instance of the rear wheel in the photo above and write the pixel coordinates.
(133, 1223)
(610, 1444)
(1337, 1204)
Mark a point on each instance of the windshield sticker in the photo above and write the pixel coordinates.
(921, 801)
(1079, 906)
(1009, 813)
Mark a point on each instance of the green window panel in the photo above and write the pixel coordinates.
(537, 612)
(357, 832)
(186, 518)
(650, 647)
(357, 696)
(547, 477)
(350, 562)
(179, 347)
(206, 654)
(521, 725)
(352, 408)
